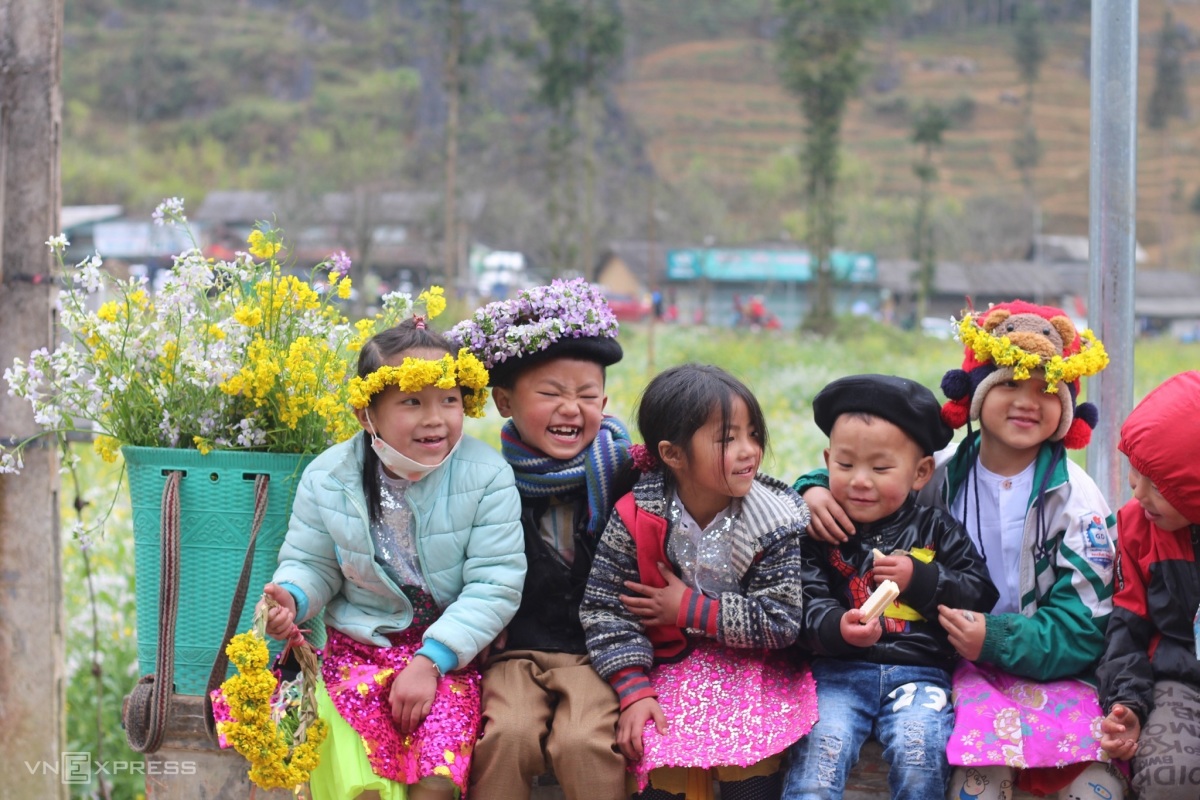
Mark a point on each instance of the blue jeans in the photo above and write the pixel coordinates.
(907, 709)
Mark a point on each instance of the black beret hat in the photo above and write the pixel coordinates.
(906, 404)
(599, 349)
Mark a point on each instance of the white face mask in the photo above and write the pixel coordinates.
(400, 464)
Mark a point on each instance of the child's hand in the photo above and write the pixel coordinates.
(894, 568)
(1119, 732)
(633, 721)
(857, 634)
(412, 693)
(966, 629)
(829, 522)
(280, 620)
(656, 606)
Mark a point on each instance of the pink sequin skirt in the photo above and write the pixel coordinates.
(1000, 719)
(359, 678)
(726, 707)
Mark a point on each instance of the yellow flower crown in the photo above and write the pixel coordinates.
(1090, 359)
(414, 374)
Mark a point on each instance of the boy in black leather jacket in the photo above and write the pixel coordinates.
(888, 677)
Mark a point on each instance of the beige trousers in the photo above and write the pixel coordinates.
(547, 711)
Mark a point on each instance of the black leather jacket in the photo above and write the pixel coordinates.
(837, 578)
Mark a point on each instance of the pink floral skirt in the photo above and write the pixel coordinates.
(726, 707)
(359, 678)
(1000, 719)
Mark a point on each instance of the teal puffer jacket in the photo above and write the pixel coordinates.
(468, 531)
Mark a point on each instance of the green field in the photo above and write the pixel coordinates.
(785, 370)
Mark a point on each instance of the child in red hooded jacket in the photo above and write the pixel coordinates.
(1150, 673)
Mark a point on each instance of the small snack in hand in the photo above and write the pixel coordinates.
(880, 599)
(877, 553)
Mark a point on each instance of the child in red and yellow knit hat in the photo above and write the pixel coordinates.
(1008, 342)
(1046, 534)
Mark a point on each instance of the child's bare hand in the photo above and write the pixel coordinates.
(829, 522)
(632, 722)
(858, 634)
(894, 568)
(656, 606)
(412, 693)
(1119, 732)
(280, 620)
(966, 628)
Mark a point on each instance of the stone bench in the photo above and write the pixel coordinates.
(868, 781)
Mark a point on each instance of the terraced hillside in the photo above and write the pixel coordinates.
(716, 106)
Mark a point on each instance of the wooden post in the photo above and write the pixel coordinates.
(32, 721)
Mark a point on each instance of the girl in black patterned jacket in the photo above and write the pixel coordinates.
(695, 591)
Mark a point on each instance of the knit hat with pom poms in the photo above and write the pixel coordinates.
(1008, 341)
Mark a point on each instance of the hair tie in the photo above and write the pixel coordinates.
(419, 322)
(643, 459)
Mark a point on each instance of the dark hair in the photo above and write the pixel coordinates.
(374, 354)
(679, 401)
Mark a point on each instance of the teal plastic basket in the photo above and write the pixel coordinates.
(216, 514)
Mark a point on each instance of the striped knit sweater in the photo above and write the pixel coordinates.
(766, 557)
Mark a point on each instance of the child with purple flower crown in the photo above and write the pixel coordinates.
(543, 704)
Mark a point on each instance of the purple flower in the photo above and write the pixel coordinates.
(535, 319)
(339, 264)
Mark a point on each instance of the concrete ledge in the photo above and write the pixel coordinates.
(189, 766)
(868, 780)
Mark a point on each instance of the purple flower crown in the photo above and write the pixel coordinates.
(535, 319)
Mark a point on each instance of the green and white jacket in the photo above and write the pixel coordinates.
(1066, 586)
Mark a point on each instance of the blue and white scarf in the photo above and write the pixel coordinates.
(539, 475)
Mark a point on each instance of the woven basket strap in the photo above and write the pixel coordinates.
(221, 665)
(150, 707)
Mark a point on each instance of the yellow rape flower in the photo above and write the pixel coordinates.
(109, 311)
(250, 317)
(262, 246)
(414, 374)
(106, 447)
(435, 301)
(1001, 351)
(276, 762)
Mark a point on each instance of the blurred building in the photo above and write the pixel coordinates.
(718, 285)
(393, 237)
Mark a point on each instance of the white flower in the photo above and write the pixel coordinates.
(11, 462)
(69, 462)
(89, 274)
(169, 210)
(58, 243)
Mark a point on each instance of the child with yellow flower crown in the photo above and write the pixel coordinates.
(1026, 711)
(408, 538)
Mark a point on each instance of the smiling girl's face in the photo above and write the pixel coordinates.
(424, 425)
(718, 465)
